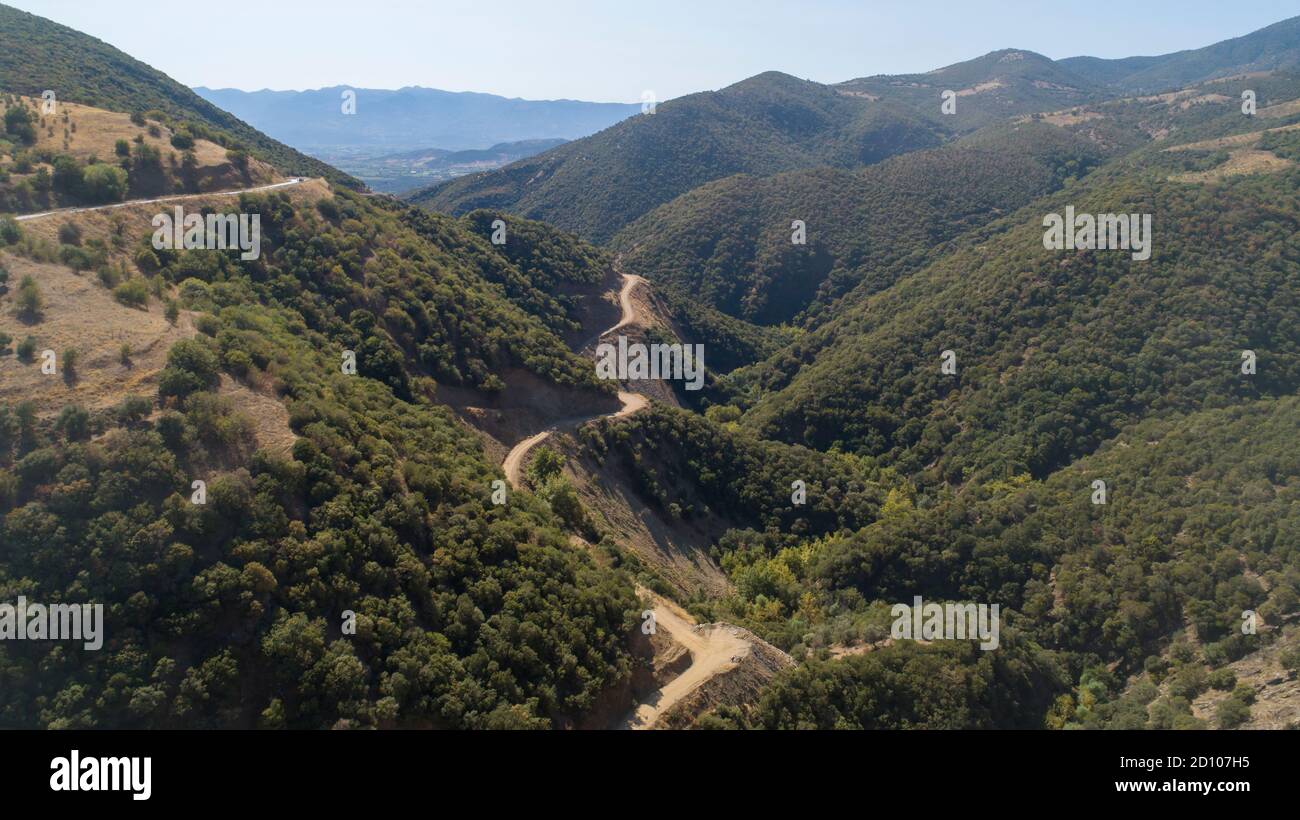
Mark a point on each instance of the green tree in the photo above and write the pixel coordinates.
(191, 366)
(20, 123)
(71, 357)
(69, 177)
(1231, 713)
(104, 183)
(29, 302)
(546, 464)
(10, 233)
(74, 423)
(1222, 679)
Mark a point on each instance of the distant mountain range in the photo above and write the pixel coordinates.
(411, 118)
(772, 122)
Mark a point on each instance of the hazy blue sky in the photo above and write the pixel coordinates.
(612, 51)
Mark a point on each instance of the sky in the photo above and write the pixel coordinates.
(614, 51)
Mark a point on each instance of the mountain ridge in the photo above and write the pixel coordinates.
(412, 117)
(773, 122)
(83, 69)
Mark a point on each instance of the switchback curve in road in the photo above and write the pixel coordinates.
(631, 402)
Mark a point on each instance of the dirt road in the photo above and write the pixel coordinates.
(713, 651)
(176, 198)
(513, 465)
(628, 310)
(632, 402)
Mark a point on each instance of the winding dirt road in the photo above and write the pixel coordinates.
(713, 650)
(632, 402)
(630, 281)
(176, 198)
(513, 465)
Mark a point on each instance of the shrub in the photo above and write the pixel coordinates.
(1290, 660)
(9, 231)
(545, 465)
(74, 423)
(70, 359)
(1232, 713)
(171, 426)
(68, 176)
(104, 183)
(133, 409)
(109, 277)
(75, 257)
(1244, 693)
(18, 121)
(1222, 679)
(69, 233)
(237, 362)
(147, 261)
(191, 366)
(8, 490)
(208, 324)
(29, 302)
(722, 413)
(132, 293)
(238, 158)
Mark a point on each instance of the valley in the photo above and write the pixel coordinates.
(1029, 346)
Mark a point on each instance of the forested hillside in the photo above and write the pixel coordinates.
(1031, 393)
(985, 90)
(729, 243)
(41, 55)
(1071, 368)
(773, 122)
(80, 155)
(1271, 48)
(763, 125)
(1201, 525)
(232, 613)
